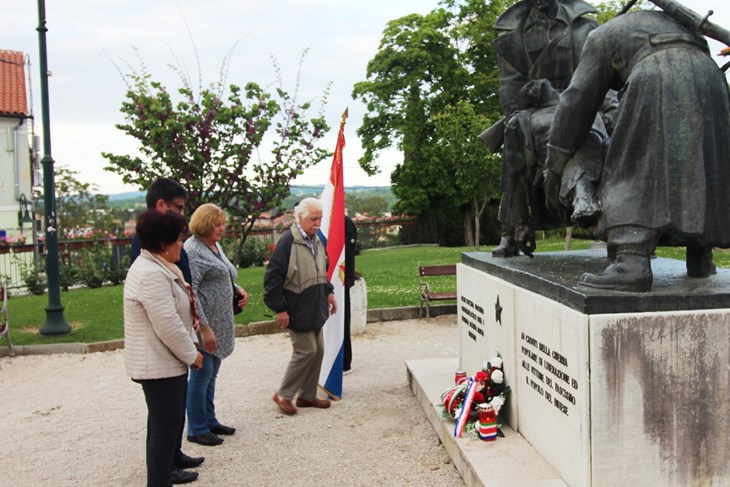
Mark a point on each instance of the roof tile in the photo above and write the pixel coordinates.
(13, 98)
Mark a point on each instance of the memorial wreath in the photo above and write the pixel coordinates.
(474, 402)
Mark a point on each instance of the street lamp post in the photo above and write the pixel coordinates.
(55, 324)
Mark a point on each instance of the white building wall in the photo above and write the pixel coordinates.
(15, 173)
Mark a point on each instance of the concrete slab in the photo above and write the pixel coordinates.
(555, 275)
(507, 462)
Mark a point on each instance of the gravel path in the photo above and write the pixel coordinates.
(69, 420)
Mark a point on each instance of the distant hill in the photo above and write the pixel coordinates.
(302, 190)
(128, 195)
(295, 191)
(131, 199)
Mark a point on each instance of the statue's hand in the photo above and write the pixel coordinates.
(555, 164)
(552, 189)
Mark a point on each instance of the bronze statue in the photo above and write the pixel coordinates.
(539, 47)
(667, 164)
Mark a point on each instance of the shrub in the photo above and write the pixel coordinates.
(255, 253)
(68, 275)
(33, 277)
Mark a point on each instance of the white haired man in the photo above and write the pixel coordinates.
(296, 288)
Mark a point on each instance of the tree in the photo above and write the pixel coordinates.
(366, 203)
(476, 171)
(79, 206)
(425, 64)
(211, 142)
(413, 75)
(610, 8)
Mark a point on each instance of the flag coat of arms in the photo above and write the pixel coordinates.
(332, 233)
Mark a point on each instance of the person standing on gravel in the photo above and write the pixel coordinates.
(296, 288)
(167, 195)
(214, 278)
(159, 340)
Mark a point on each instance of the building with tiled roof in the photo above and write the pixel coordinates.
(15, 150)
(13, 98)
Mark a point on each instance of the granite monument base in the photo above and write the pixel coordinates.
(611, 388)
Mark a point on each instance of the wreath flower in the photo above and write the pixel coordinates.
(474, 403)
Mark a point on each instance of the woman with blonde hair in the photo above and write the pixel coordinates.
(214, 278)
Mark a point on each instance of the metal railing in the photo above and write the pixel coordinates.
(80, 255)
(16, 259)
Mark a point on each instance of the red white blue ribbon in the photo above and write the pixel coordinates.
(463, 416)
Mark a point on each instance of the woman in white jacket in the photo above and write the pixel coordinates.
(159, 339)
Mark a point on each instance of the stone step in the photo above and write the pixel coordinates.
(507, 462)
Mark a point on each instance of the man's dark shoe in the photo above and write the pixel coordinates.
(222, 429)
(182, 476)
(285, 405)
(185, 461)
(207, 439)
(313, 403)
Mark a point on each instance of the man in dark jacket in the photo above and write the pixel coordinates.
(296, 288)
(350, 248)
(666, 170)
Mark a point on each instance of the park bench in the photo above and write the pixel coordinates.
(4, 321)
(425, 289)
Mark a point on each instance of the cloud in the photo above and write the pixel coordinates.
(86, 89)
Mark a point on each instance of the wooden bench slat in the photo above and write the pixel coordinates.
(437, 270)
(426, 295)
(441, 296)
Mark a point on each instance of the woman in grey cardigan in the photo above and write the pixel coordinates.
(213, 279)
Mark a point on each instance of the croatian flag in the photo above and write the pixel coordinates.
(332, 233)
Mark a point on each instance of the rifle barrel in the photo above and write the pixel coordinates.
(693, 20)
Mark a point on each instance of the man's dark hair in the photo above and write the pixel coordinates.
(164, 189)
(156, 229)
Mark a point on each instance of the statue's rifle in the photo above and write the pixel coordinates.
(690, 19)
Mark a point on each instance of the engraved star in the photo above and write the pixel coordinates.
(498, 311)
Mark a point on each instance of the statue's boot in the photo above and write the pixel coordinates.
(586, 207)
(630, 272)
(699, 261)
(507, 247)
(525, 240)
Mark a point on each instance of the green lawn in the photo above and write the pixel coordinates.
(391, 276)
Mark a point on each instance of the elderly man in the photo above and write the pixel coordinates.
(666, 169)
(540, 40)
(296, 288)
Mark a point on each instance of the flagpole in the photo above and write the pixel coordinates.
(333, 230)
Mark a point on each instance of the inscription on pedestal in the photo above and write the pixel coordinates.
(545, 371)
(472, 315)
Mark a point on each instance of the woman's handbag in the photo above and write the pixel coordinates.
(237, 296)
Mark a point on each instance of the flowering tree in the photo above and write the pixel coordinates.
(211, 143)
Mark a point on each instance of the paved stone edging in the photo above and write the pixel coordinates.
(256, 328)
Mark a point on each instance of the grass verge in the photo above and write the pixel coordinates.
(390, 274)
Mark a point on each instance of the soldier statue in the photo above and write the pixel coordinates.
(539, 48)
(667, 165)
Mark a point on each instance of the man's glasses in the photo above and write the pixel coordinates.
(177, 208)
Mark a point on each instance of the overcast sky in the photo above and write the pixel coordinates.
(86, 90)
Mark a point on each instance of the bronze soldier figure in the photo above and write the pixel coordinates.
(540, 40)
(667, 165)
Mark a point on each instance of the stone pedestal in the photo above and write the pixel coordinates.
(612, 389)
(358, 307)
